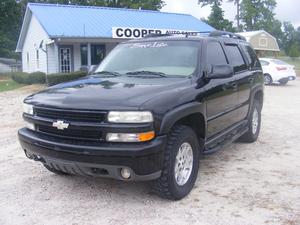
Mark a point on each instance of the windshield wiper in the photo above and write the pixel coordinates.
(107, 72)
(145, 72)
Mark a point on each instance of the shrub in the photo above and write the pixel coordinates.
(29, 78)
(64, 77)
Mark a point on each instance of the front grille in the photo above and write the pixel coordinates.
(71, 133)
(70, 115)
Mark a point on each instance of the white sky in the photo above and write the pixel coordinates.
(286, 10)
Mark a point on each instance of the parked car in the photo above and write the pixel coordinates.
(149, 111)
(277, 71)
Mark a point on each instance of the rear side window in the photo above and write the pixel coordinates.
(235, 58)
(251, 57)
(264, 63)
(215, 55)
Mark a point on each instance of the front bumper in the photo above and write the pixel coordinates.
(144, 160)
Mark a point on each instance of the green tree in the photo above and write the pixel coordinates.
(216, 19)
(294, 50)
(236, 2)
(258, 14)
(9, 27)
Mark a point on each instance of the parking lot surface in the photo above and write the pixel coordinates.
(243, 184)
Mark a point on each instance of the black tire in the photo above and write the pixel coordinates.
(283, 82)
(268, 79)
(166, 186)
(51, 169)
(250, 136)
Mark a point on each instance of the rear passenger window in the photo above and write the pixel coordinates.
(251, 57)
(235, 58)
(215, 55)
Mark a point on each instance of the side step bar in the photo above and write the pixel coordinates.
(220, 141)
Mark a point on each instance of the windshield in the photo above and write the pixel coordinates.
(174, 58)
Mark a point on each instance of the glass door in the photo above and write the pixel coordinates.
(65, 59)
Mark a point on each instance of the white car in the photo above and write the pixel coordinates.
(277, 71)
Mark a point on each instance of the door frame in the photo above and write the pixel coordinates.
(71, 57)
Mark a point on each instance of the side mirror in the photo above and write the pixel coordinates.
(220, 71)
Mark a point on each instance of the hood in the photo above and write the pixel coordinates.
(106, 93)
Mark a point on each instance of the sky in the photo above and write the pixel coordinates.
(286, 10)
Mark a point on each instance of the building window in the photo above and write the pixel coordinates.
(84, 55)
(37, 59)
(97, 54)
(263, 42)
(65, 60)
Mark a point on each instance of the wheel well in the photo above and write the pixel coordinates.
(259, 96)
(196, 122)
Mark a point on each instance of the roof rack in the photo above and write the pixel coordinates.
(216, 33)
(219, 33)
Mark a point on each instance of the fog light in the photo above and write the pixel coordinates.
(125, 173)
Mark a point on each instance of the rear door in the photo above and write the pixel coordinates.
(221, 94)
(244, 79)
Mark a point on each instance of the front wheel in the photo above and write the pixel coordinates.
(254, 124)
(181, 164)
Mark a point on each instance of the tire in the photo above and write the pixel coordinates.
(254, 124)
(58, 172)
(283, 82)
(268, 79)
(167, 186)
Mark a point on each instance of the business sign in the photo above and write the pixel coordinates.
(130, 32)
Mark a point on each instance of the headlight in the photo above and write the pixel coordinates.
(28, 109)
(130, 137)
(130, 117)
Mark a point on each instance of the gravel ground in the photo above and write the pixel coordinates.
(243, 184)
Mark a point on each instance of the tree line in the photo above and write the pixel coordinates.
(255, 15)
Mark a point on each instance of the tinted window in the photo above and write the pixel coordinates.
(84, 55)
(251, 57)
(235, 58)
(215, 55)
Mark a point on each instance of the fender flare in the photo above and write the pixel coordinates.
(180, 112)
(253, 93)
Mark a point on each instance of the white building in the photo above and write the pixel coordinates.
(66, 38)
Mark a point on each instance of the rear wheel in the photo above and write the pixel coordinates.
(181, 164)
(284, 82)
(268, 79)
(53, 170)
(254, 124)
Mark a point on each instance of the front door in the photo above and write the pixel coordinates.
(221, 94)
(65, 59)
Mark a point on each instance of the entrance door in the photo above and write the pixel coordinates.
(65, 59)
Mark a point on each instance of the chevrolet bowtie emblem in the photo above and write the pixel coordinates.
(60, 125)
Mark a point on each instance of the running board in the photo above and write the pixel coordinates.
(226, 138)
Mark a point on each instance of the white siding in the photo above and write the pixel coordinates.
(52, 52)
(35, 34)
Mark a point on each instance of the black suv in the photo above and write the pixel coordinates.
(149, 111)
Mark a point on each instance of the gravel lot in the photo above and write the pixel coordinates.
(243, 184)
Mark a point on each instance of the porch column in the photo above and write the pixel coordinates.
(89, 58)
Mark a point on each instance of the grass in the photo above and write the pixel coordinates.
(7, 85)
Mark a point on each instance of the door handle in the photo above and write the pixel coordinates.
(234, 86)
